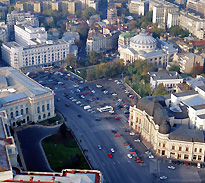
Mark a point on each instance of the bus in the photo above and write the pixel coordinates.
(48, 68)
(105, 109)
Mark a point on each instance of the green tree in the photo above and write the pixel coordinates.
(90, 11)
(70, 60)
(132, 24)
(156, 32)
(93, 57)
(63, 130)
(176, 30)
(83, 30)
(160, 90)
(174, 68)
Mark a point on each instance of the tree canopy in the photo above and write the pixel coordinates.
(174, 68)
(160, 90)
(176, 30)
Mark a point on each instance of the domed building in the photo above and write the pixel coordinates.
(145, 47)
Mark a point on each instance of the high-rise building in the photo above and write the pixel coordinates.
(139, 7)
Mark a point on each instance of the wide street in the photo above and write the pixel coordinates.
(94, 128)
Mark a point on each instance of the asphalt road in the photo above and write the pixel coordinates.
(91, 133)
(29, 139)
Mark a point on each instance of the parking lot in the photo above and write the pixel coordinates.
(80, 101)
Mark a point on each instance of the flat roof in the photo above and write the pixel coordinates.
(153, 54)
(22, 86)
(165, 75)
(195, 100)
(186, 93)
(199, 107)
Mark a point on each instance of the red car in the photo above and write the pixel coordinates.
(67, 105)
(106, 118)
(50, 87)
(138, 158)
(95, 98)
(89, 92)
(117, 117)
(76, 82)
(83, 94)
(132, 97)
(140, 161)
(58, 99)
(117, 135)
(110, 155)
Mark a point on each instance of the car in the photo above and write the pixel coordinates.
(117, 117)
(98, 86)
(95, 98)
(163, 177)
(74, 100)
(132, 133)
(79, 116)
(81, 82)
(151, 156)
(58, 99)
(114, 131)
(129, 156)
(114, 94)
(126, 91)
(99, 147)
(140, 161)
(97, 119)
(106, 118)
(92, 112)
(112, 150)
(136, 140)
(89, 110)
(116, 81)
(93, 91)
(105, 92)
(83, 94)
(89, 92)
(132, 97)
(138, 158)
(81, 105)
(75, 86)
(126, 112)
(78, 102)
(110, 155)
(117, 135)
(171, 167)
(71, 98)
(67, 105)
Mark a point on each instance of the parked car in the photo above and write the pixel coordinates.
(136, 140)
(171, 167)
(110, 155)
(112, 150)
(99, 147)
(132, 133)
(117, 117)
(67, 105)
(129, 156)
(163, 177)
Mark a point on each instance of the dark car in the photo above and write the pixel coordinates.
(79, 116)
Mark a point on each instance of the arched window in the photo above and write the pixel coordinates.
(43, 108)
(39, 117)
(21, 111)
(49, 114)
(12, 114)
(38, 109)
(48, 107)
(44, 116)
(17, 113)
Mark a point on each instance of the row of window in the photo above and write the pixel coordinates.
(43, 108)
(145, 46)
(52, 48)
(17, 113)
(44, 116)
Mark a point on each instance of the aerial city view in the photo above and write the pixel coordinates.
(102, 91)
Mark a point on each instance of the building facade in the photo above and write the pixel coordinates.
(191, 61)
(169, 79)
(160, 11)
(193, 23)
(158, 121)
(138, 7)
(145, 47)
(23, 99)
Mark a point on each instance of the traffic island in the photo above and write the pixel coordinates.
(63, 152)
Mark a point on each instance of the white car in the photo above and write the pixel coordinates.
(78, 102)
(132, 133)
(98, 86)
(114, 94)
(136, 140)
(112, 150)
(74, 100)
(129, 156)
(147, 152)
(89, 110)
(82, 96)
(81, 82)
(75, 86)
(71, 98)
(116, 81)
(163, 177)
(151, 156)
(99, 147)
(171, 167)
(93, 91)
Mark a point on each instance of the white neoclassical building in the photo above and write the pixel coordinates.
(174, 126)
(23, 99)
(146, 47)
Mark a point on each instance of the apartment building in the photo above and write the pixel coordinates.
(160, 11)
(196, 6)
(173, 19)
(174, 125)
(193, 23)
(139, 7)
(124, 38)
(190, 61)
(111, 11)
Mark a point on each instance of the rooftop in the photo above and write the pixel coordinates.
(186, 93)
(19, 86)
(162, 75)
